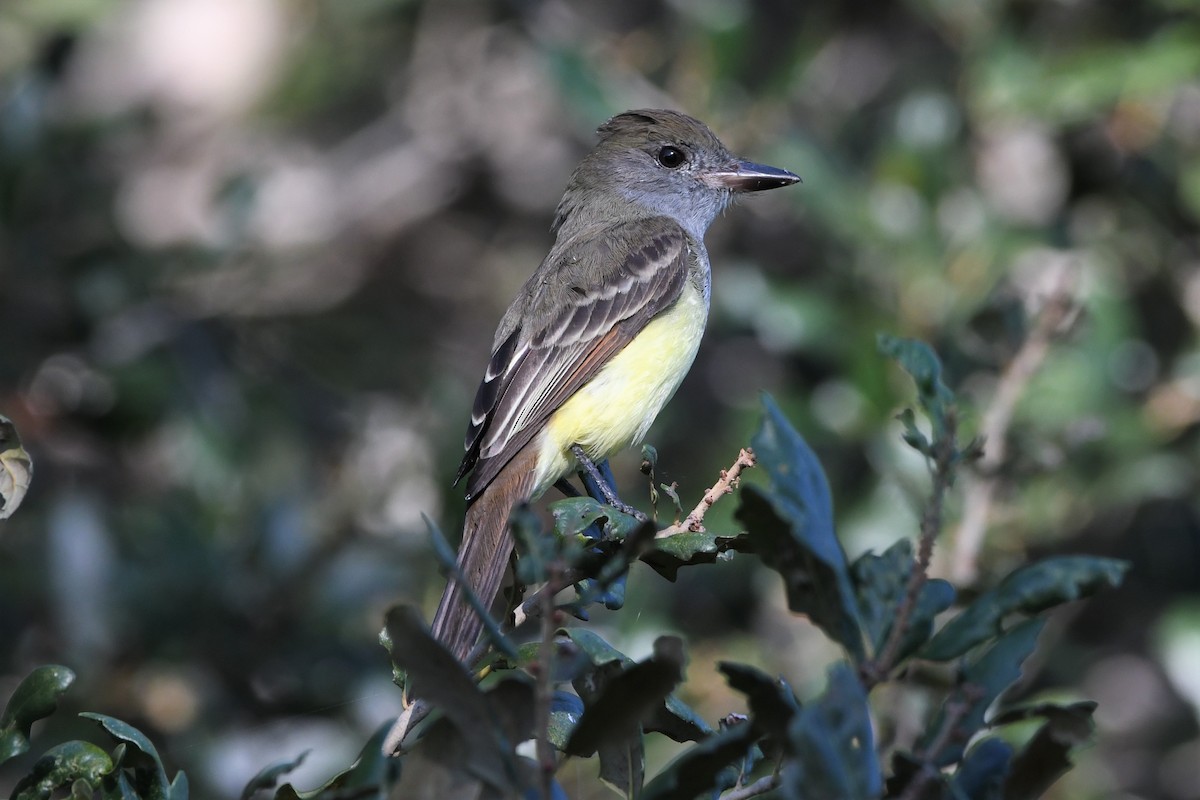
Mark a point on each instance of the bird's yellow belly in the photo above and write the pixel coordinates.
(614, 409)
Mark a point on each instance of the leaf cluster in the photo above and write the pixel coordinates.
(579, 697)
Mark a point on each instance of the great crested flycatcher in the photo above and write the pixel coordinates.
(600, 336)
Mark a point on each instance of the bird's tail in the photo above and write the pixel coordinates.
(484, 553)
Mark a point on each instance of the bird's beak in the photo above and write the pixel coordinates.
(746, 176)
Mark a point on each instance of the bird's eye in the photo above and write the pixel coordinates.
(671, 157)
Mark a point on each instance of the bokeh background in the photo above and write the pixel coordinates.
(252, 253)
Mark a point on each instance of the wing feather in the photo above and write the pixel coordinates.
(565, 338)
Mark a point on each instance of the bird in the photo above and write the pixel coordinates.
(599, 337)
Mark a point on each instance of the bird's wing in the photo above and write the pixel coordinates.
(565, 337)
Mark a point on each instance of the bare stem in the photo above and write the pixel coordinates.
(760, 786)
(725, 484)
(979, 491)
(956, 711)
(945, 452)
(545, 681)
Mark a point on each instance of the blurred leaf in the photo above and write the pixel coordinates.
(982, 681)
(180, 790)
(16, 469)
(790, 525)
(1046, 756)
(36, 697)
(617, 706)
(1080, 82)
(703, 767)
(63, 765)
(674, 718)
(440, 679)
(701, 547)
(623, 764)
(832, 744)
(981, 774)
(371, 770)
(923, 366)
(269, 776)
(772, 702)
(1031, 589)
(678, 721)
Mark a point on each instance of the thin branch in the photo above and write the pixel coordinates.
(724, 485)
(979, 491)
(945, 457)
(956, 711)
(760, 786)
(545, 682)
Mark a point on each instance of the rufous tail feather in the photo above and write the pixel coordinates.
(484, 553)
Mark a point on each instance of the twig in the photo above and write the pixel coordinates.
(760, 786)
(956, 710)
(532, 607)
(545, 682)
(945, 456)
(724, 485)
(980, 487)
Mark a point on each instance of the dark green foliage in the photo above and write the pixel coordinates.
(1029, 590)
(790, 525)
(830, 743)
(880, 581)
(704, 767)
(132, 769)
(36, 697)
(583, 697)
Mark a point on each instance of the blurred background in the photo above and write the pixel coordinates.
(252, 253)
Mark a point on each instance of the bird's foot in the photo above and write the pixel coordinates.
(598, 479)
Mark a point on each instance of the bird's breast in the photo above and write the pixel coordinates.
(614, 409)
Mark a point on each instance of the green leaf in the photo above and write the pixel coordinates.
(699, 547)
(790, 525)
(674, 718)
(574, 515)
(982, 681)
(61, 766)
(1046, 756)
(772, 702)
(565, 711)
(35, 697)
(1029, 590)
(678, 721)
(933, 396)
(149, 776)
(436, 676)
(269, 776)
(832, 744)
(623, 764)
(981, 774)
(618, 702)
(701, 768)
(179, 787)
(881, 583)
